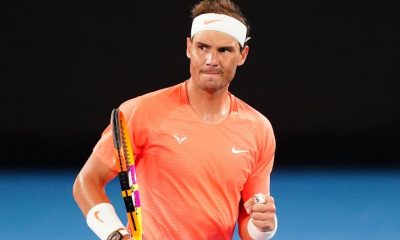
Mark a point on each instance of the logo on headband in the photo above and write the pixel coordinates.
(210, 21)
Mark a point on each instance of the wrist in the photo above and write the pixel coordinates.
(257, 234)
(104, 222)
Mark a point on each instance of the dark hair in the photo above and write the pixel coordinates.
(226, 7)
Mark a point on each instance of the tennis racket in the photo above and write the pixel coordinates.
(127, 173)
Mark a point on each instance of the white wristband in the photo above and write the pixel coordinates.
(103, 220)
(259, 235)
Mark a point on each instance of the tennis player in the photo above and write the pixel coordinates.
(203, 156)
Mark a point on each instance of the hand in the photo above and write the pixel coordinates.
(262, 214)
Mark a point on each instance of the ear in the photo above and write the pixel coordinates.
(188, 46)
(243, 55)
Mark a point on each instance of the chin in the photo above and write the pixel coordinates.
(212, 86)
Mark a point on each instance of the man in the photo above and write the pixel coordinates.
(201, 153)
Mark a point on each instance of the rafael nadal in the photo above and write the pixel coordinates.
(203, 156)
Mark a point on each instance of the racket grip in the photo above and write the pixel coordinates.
(135, 221)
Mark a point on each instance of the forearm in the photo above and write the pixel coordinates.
(243, 219)
(89, 186)
(242, 224)
(87, 193)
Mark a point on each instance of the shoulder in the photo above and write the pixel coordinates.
(260, 128)
(256, 124)
(253, 116)
(150, 102)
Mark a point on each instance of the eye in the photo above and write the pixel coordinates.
(225, 50)
(202, 47)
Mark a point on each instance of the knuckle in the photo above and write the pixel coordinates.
(270, 199)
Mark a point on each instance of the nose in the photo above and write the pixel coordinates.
(212, 58)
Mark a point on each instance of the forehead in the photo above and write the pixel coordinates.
(215, 38)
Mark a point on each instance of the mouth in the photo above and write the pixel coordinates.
(212, 72)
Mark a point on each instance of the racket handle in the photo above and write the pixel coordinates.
(135, 221)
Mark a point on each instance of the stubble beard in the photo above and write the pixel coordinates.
(212, 85)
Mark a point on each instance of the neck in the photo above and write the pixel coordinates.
(211, 107)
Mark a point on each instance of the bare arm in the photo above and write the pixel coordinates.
(89, 186)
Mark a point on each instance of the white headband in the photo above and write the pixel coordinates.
(221, 23)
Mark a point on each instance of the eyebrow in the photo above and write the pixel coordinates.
(202, 44)
(219, 48)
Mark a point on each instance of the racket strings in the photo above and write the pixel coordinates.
(125, 144)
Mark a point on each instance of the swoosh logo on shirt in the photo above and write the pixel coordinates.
(238, 151)
(210, 21)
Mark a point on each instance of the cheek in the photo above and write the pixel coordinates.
(230, 66)
(231, 73)
(195, 63)
(193, 68)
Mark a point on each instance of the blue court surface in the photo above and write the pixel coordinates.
(312, 205)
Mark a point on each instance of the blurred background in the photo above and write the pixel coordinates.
(325, 73)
